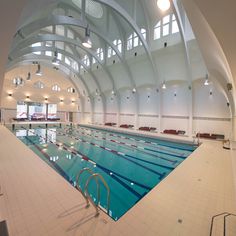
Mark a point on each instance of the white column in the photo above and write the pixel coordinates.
(190, 112)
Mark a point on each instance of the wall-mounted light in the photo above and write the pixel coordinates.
(134, 90)
(87, 41)
(55, 60)
(163, 85)
(9, 94)
(46, 99)
(27, 96)
(61, 100)
(72, 101)
(210, 92)
(28, 76)
(175, 94)
(163, 5)
(39, 72)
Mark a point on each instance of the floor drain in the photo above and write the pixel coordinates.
(180, 221)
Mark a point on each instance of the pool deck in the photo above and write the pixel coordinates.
(35, 200)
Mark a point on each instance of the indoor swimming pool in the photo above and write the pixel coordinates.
(130, 165)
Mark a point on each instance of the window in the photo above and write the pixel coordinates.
(133, 41)
(86, 60)
(109, 52)
(166, 25)
(144, 33)
(71, 90)
(118, 44)
(157, 31)
(38, 85)
(52, 111)
(100, 54)
(21, 110)
(56, 88)
(130, 42)
(67, 61)
(60, 30)
(70, 34)
(18, 81)
(75, 65)
(48, 53)
(175, 28)
(38, 44)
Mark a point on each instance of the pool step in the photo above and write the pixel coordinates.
(223, 224)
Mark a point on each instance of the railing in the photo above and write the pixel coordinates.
(96, 176)
(226, 215)
(86, 195)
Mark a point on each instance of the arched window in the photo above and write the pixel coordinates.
(38, 85)
(70, 90)
(56, 88)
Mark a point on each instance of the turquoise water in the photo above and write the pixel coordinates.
(130, 165)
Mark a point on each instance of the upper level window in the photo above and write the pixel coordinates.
(167, 25)
(130, 42)
(70, 90)
(60, 30)
(144, 33)
(100, 54)
(75, 65)
(86, 60)
(67, 61)
(109, 52)
(56, 88)
(175, 28)
(38, 85)
(70, 34)
(118, 44)
(133, 41)
(157, 31)
(38, 44)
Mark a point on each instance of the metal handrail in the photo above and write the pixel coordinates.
(96, 175)
(79, 188)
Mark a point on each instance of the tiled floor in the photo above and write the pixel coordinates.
(37, 201)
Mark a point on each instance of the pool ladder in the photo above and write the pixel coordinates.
(86, 195)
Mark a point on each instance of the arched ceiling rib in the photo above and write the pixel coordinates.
(52, 37)
(117, 8)
(65, 20)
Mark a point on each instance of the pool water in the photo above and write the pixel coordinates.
(130, 165)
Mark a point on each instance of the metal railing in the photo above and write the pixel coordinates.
(86, 195)
(96, 176)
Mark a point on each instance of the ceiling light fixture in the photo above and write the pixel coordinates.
(87, 41)
(39, 72)
(55, 60)
(134, 90)
(163, 5)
